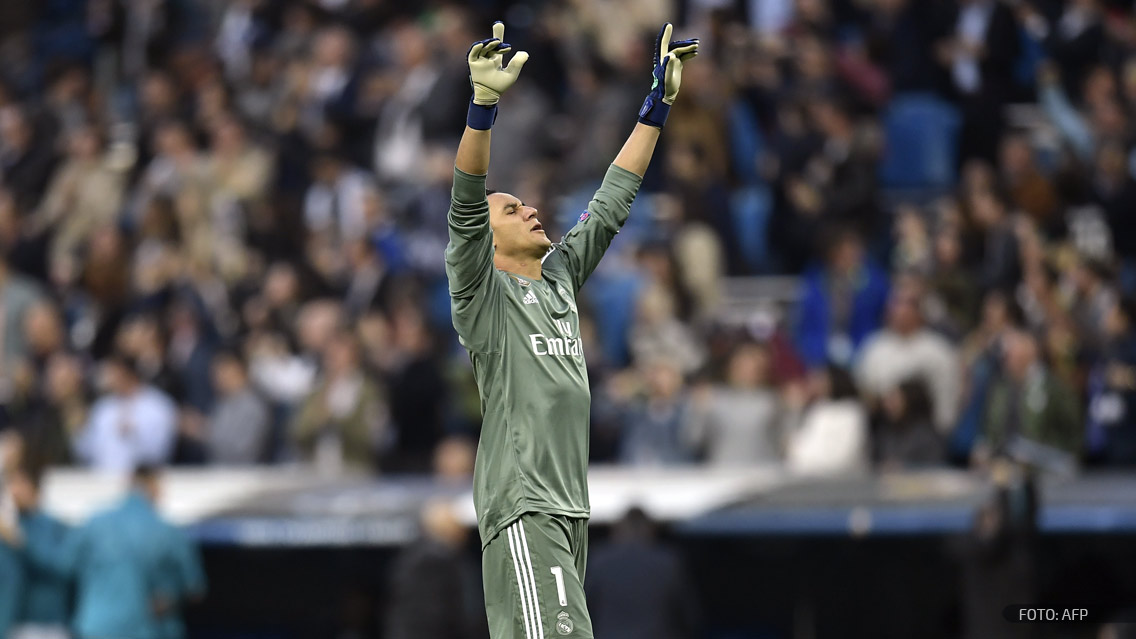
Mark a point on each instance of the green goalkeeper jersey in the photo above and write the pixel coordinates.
(523, 336)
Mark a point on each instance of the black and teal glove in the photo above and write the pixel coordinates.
(669, 58)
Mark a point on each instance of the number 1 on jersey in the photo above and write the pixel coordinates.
(558, 572)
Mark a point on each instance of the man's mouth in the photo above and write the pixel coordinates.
(536, 228)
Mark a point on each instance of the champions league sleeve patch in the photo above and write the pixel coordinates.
(583, 216)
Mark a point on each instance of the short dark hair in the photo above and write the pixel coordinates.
(635, 524)
(841, 384)
(230, 354)
(127, 362)
(1127, 307)
(144, 473)
(32, 470)
(1101, 268)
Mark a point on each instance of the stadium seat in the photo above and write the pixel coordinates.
(750, 210)
(921, 148)
(616, 293)
(746, 141)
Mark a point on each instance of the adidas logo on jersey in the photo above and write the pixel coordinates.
(529, 298)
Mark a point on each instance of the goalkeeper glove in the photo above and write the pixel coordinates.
(669, 58)
(490, 77)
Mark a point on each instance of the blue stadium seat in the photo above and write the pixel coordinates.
(746, 141)
(921, 143)
(750, 210)
(1030, 58)
(616, 293)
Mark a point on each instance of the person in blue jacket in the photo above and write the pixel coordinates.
(842, 302)
(133, 570)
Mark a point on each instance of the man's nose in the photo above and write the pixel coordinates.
(529, 213)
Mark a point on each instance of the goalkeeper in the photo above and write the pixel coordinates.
(513, 299)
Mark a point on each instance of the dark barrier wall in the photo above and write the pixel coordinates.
(748, 588)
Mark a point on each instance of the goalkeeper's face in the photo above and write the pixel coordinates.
(516, 228)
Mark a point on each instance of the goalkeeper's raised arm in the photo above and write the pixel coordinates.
(470, 252)
(585, 244)
(669, 58)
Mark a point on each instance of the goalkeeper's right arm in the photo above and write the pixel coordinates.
(490, 78)
(469, 254)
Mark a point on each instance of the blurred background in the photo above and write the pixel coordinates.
(863, 360)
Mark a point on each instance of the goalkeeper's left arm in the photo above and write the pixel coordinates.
(666, 78)
(586, 243)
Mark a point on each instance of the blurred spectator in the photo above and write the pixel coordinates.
(829, 432)
(453, 459)
(842, 303)
(1091, 298)
(1114, 191)
(429, 581)
(25, 164)
(653, 421)
(998, 558)
(637, 587)
(738, 422)
(1001, 265)
(1075, 40)
(829, 182)
(104, 280)
(240, 172)
(191, 345)
(133, 570)
(658, 331)
(19, 295)
(344, 420)
(952, 294)
(418, 393)
(238, 426)
(900, 34)
(1026, 400)
(178, 173)
(1030, 190)
(981, 353)
(842, 172)
(45, 602)
(905, 348)
(913, 252)
(979, 53)
(11, 563)
(907, 437)
(132, 423)
(142, 338)
(56, 412)
(334, 206)
(321, 86)
(1111, 426)
(85, 193)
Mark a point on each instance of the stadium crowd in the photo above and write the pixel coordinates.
(222, 224)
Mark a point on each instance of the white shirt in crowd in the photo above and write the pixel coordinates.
(889, 358)
(123, 432)
(973, 22)
(832, 439)
(339, 208)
